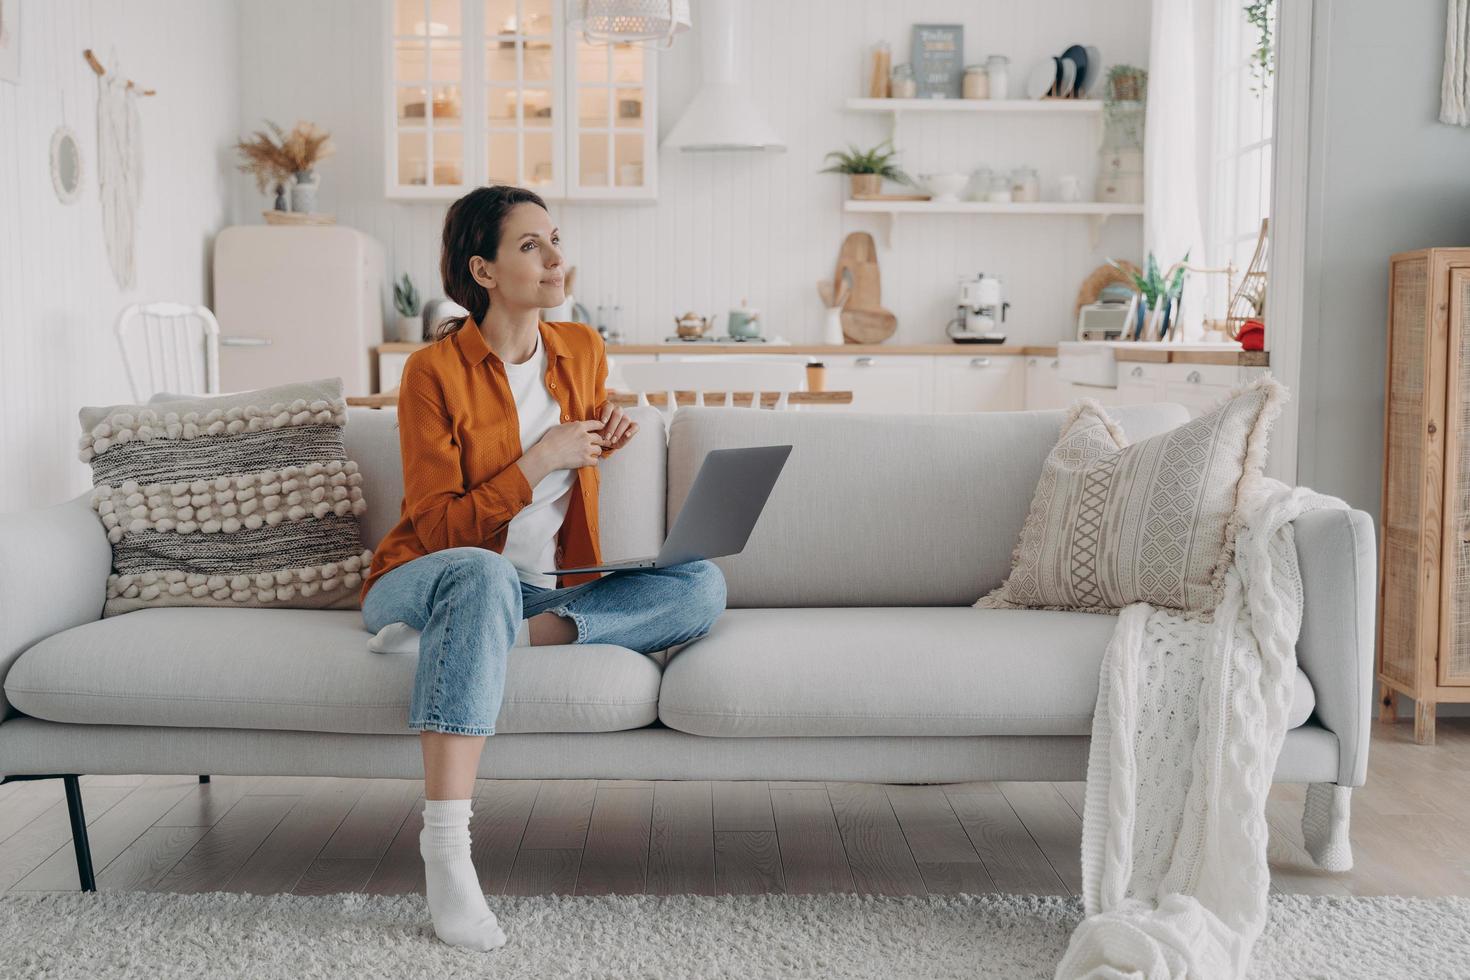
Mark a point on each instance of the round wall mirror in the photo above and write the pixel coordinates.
(66, 164)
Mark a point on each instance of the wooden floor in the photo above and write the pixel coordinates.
(586, 837)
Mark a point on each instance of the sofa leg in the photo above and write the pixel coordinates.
(79, 833)
(78, 823)
(1325, 820)
(204, 779)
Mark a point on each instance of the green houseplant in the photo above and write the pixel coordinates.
(866, 169)
(406, 301)
(1152, 286)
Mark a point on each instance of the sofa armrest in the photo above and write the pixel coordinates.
(1338, 557)
(54, 563)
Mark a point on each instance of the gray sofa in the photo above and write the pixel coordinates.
(849, 649)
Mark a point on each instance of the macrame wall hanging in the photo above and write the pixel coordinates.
(1454, 93)
(119, 166)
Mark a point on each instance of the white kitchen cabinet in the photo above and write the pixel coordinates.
(1140, 383)
(882, 382)
(1044, 388)
(503, 92)
(1198, 387)
(390, 368)
(1194, 394)
(983, 383)
(1104, 395)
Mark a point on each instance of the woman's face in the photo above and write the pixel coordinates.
(527, 272)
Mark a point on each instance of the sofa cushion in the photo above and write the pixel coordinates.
(304, 670)
(1114, 522)
(933, 670)
(245, 499)
(881, 509)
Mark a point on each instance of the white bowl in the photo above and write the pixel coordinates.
(945, 187)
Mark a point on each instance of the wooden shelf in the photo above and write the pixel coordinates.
(1094, 208)
(1064, 106)
(1097, 212)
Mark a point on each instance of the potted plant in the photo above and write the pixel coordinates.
(406, 301)
(289, 155)
(1151, 285)
(262, 158)
(1127, 83)
(867, 169)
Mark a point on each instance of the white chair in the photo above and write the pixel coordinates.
(169, 347)
(701, 376)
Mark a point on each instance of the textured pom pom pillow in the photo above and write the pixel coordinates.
(1112, 524)
(241, 500)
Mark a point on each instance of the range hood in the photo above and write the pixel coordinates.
(721, 115)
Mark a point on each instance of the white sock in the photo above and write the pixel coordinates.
(461, 917)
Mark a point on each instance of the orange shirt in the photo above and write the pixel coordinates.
(460, 437)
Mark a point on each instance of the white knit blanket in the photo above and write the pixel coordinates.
(1190, 718)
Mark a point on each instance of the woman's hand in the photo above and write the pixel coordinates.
(617, 428)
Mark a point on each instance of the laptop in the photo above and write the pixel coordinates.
(727, 498)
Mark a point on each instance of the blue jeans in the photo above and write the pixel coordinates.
(468, 604)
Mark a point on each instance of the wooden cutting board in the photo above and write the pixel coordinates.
(864, 320)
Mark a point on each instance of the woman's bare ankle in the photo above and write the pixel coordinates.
(550, 629)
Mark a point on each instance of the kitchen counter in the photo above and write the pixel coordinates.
(1123, 350)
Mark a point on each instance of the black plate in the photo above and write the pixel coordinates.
(978, 340)
(1078, 54)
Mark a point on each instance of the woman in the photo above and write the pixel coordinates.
(483, 520)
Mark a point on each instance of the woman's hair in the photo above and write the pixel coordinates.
(472, 227)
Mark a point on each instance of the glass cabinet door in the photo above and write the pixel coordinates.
(523, 128)
(504, 92)
(612, 153)
(427, 64)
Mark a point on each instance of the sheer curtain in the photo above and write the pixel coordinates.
(1177, 146)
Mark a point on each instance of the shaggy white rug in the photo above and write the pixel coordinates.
(681, 937)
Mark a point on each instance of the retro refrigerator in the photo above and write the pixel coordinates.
(297, 303)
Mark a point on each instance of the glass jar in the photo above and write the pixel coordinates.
(1025, 184)
(977, 82)
(902, 84)
(996, 66)
(979, 183)
(1000, 189)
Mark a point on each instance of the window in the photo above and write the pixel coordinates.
(1240, 154)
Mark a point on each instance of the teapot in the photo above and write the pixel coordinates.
(744, 321)
(691, 324)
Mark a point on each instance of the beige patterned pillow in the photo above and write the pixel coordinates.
(1113, 524)
(242, 500)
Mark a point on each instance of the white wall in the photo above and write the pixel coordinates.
(1385, 177)
(58, 298)
(730, 226)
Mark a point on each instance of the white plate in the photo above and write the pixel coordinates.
(1039, 82)
(1069, 77)
(1094, 68)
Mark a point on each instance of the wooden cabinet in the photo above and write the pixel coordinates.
(983, 383)
(1423, 642)
(503, 92)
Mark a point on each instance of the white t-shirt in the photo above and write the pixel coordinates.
(530, 542)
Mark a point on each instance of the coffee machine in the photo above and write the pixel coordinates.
(980, 313)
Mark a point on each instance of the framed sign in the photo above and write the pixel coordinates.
(938, 60)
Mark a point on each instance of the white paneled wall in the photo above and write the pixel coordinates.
(733, 226)
(725, 227)
(57, 295)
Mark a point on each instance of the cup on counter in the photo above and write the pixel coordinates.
(1069, 188)
(816, 376)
